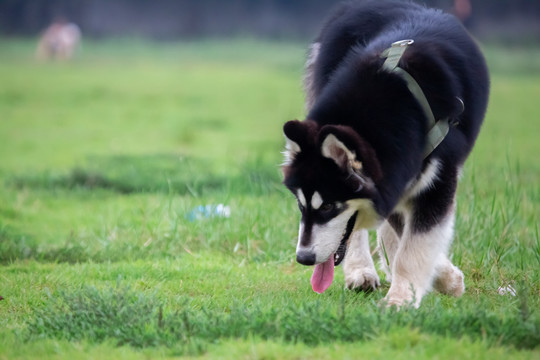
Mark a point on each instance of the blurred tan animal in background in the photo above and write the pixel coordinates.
(59, 41)
(462, 9)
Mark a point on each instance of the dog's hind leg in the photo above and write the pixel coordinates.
(358, 265)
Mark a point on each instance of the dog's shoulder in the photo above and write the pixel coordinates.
(355, 24)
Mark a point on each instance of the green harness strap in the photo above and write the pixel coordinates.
(437, 129)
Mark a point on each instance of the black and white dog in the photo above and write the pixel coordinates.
(396, 95)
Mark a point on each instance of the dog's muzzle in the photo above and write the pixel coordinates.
(305, 257)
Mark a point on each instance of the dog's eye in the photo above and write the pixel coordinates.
(327, 207)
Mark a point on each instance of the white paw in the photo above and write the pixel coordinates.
(398, 302)
(450, 282)
(363, 279)
(458, 287)
(402, 297)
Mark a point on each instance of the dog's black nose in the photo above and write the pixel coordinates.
(305, 257)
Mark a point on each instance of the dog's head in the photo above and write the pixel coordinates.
(333, 173)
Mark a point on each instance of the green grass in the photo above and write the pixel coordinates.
(104, 158)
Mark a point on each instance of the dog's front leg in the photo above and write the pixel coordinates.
(358, 265)
(416, 262)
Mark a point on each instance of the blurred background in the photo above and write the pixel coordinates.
(510, 21)
(150, 162)
(170, 105)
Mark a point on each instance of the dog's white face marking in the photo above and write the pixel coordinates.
(325, 238)
(301, 198)
(316, 201)
(300, 232)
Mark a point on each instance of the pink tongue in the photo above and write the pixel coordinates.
(323, 275)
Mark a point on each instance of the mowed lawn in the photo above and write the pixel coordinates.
(105, 161)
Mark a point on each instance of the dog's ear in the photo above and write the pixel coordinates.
(351, 154)
(292, 148)
(334, 149)
(297, 137)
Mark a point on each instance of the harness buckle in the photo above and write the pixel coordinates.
(401, 43)
(394, 53)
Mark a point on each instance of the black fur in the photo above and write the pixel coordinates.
(342, 249)
(352, 92)
(397, 223)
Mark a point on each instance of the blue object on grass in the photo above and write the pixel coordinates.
(209, 211)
